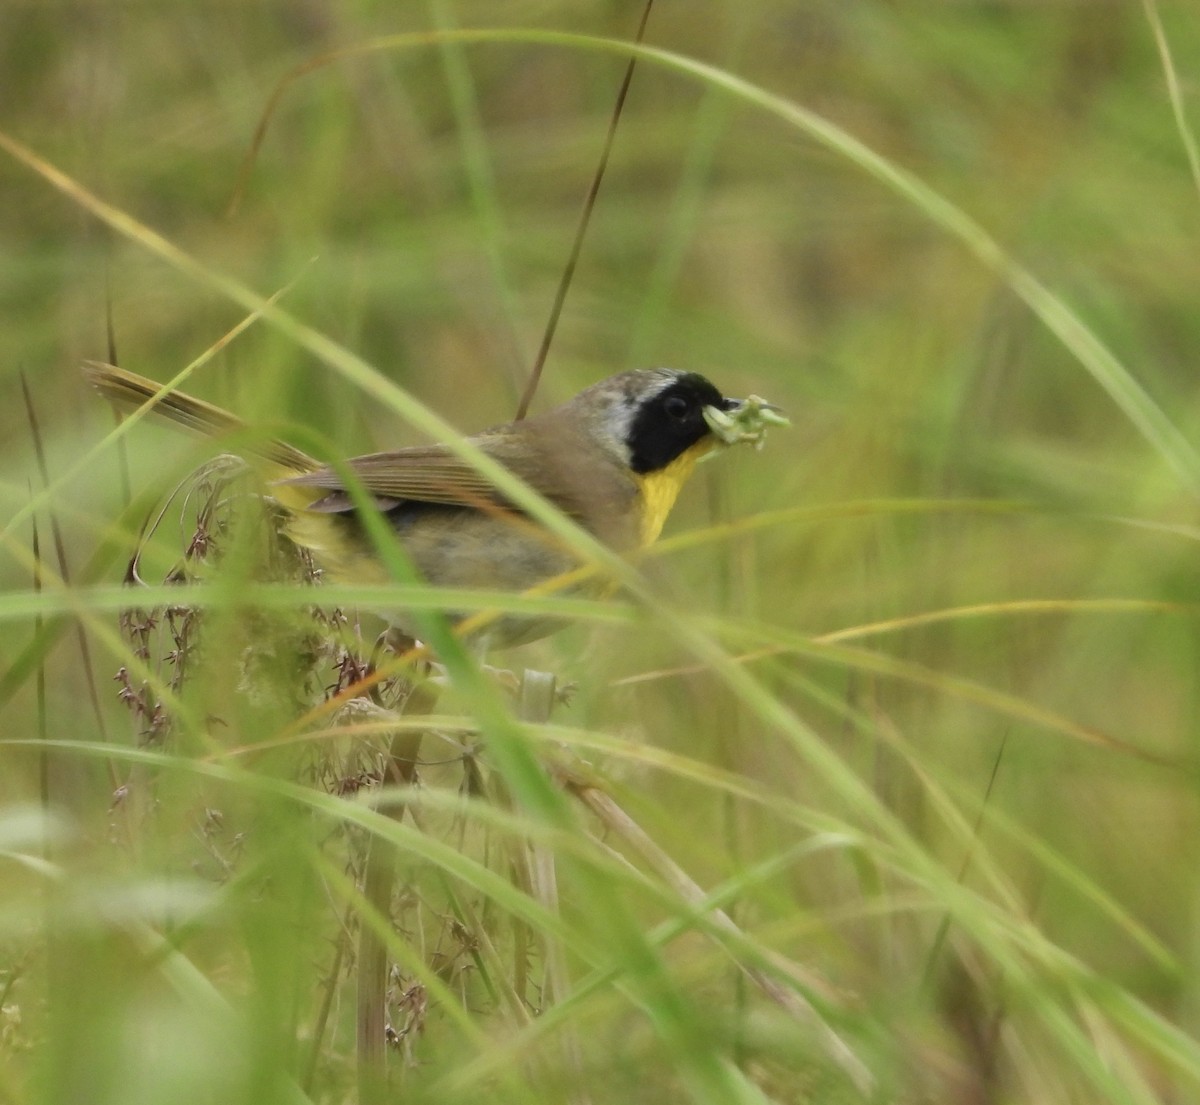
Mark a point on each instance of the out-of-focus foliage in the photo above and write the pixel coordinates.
(947, 451)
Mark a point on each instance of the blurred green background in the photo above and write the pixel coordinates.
(420, 204)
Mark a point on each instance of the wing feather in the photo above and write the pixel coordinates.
(433, 474)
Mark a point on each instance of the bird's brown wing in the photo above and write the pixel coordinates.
(433, 474)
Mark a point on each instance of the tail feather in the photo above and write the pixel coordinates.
(129, 389)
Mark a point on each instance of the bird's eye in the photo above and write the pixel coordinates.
(676, 407)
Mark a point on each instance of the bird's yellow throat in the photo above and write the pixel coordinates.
(660, 489)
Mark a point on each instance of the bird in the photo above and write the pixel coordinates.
(613, 458)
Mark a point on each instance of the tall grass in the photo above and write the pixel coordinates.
(877, 782)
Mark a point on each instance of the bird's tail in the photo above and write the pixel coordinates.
(129, 389)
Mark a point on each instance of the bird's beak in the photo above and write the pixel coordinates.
(738, 420)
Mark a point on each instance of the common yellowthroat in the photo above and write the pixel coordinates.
(613, 458)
